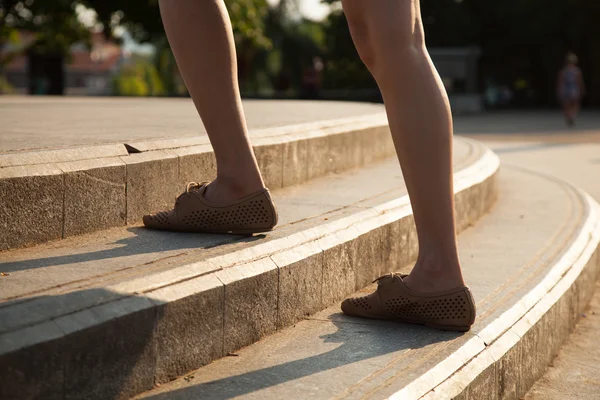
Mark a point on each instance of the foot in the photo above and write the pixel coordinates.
(193, 212)
(394, 300)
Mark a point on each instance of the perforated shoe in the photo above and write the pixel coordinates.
(254, 213)
(452, 310)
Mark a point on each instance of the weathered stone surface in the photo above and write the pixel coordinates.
(60, 155)
(318, 157)
(31, 207)
(35, 371)
(116, 358)
(338, 272)
(508, 369)
(345, 151)
(397, 252)
(196, 164)
(295, 162)
(551, 339)
(95, 195)
(377, 144)
(484, 386)
(300, 283)
(586, 283)
(468, 207)
(461, 396)
(368, 254)
(189, 327)
(563, 317)
(529, 371)
(573, 305)
(489, 193)
(250, 303)
(152, 183)
(270, 163)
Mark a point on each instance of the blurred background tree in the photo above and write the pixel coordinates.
(142, 20)
(53, 27)
(523, 43)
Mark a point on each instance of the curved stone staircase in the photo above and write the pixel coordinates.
(121, 312)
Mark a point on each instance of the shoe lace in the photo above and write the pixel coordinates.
(392, 275)
(191, 186)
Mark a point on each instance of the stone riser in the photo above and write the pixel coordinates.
(57, 194)
(121, 348)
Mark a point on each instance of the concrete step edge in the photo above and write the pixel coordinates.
(83, 190)
(183, 334)
(519, 345)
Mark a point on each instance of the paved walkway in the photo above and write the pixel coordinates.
(30, 123)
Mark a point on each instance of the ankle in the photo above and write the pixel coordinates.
(240, 178)
(434, 272)
(235, 187)
(436, 263)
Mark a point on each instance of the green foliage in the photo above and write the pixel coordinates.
(521, 41)
(344, 69)
(248, 22)
(140, 79)
(166, 67)
(142, 19)
(295, 44)
(5, 87)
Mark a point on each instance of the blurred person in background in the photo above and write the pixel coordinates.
(570, 88)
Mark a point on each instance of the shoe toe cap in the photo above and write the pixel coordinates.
(352, 307)
(156, 221)
(148, 221)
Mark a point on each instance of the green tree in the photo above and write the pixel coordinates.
(139, 79)
(296, 41)
(142, 19)
(523, 43)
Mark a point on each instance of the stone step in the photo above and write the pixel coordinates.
(55, 193)
(531, 263)
(109, 314)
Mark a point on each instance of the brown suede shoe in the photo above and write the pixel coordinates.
(452, 310)
(254, 213)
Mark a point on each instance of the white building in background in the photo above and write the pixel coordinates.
(87, 71)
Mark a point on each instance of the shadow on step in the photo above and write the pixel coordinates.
(102, 352)
(139, 242)
(117, 348)
(340, 350)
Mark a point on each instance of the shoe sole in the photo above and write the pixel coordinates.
(450, 328)
(218, 232)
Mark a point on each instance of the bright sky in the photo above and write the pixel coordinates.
(312, 9)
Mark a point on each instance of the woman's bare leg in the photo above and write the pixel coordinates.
(389, 37)
(201, 37)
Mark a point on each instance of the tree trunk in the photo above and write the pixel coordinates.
(46, 73)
